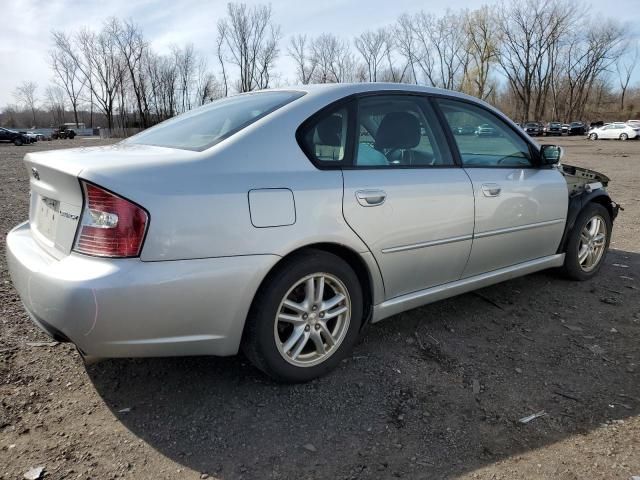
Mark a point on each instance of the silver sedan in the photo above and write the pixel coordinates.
(283, 221)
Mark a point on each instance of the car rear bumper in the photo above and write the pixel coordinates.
(131, 308)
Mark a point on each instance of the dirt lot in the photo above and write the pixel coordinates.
(433, 393)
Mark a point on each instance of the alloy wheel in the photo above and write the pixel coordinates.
(593, 241)
(312, 320)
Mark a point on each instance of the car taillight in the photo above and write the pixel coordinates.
(110, 226)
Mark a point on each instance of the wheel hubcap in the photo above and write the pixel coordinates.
(593, 241)
(312, 320)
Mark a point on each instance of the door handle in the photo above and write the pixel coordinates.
(371, 198)
(491, 189)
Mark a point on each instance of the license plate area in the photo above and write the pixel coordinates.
(46, 217)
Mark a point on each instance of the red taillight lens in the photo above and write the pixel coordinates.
(110, 225)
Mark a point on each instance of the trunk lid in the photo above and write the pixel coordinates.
(56, 195)
(55, 205)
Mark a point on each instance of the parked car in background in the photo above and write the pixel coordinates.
(553, 128)
(33, 138)
(577, 128)
(322, 230)
(17, 138)
(534, 129)
(464, 130)
(63, 131)
(565, 128)
(486, 130)
(617, 130)
(633, 123)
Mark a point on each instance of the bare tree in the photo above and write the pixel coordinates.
(131, 45)
(372, 48)
(482, 45)
(97, 57)
(334, 61)
(435, 48)
(625, 66)
(162, 78)
(220, 42)
(25, 94)
(55, 101)
(392, 73)
(587, 55)
(306, 63)
(530, 32)
(207, 88)
(250, 39)
(185, 60)
(68, 76)
(104, 65)
(406, 44)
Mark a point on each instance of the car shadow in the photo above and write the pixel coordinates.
(436, 391)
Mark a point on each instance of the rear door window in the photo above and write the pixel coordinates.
(399, 131)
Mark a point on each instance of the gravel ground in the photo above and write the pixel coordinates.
(433, 393)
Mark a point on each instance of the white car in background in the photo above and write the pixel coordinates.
(616, 130)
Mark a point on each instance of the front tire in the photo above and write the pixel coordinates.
(588, 242)
(624, 136)
(17, 142)
(305, 318)
(593, 136)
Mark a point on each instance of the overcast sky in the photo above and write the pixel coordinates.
(26, 25)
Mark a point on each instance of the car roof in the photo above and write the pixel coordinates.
(345, 89)
(320, 95)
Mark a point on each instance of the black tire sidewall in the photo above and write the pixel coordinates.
(571, 264)
(259, 344)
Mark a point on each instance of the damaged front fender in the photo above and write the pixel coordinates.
(585, 186)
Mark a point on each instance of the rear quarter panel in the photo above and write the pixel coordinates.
(199, 207)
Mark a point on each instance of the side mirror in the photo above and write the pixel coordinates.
(551, 154)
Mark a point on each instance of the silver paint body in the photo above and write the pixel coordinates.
(221, 219)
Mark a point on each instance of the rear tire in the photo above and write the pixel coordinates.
(17, 142)
(588, 243)
(294, 333)
(624, 136)
(593, 136)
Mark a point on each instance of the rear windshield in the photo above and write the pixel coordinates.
(203, 127)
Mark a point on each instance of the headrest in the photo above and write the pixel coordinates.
(398, 130)
(329, 131)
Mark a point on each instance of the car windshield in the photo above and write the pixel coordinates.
(203, 127)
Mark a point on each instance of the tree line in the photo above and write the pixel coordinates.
(535, 59)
